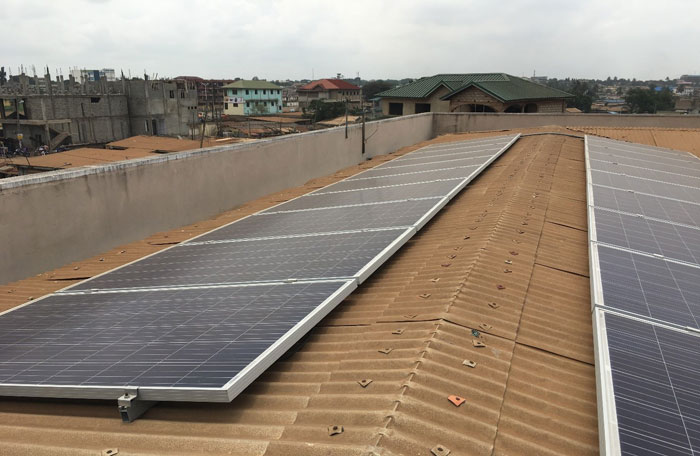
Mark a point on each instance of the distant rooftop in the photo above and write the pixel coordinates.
(245, 84)
(329, 84)
(502, 86)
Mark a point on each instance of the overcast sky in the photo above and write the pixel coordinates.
(377, 39)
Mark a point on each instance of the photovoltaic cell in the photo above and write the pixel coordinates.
(646, 173)
(647, 205)
(648, 162)
(650, 287)
(402, 213)
(182, 338)
(201, 320)
(400, 179)
(655, 376)
(309, 257)
(372, 195)
(654, 370)
(638, 233)
(650, 187)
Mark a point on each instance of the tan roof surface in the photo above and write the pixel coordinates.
(165, 144)
(521, 226)
(670, 138)
(80, 157)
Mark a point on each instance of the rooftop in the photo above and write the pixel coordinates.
(503, 86)
(520, 226)
(244, 84)
(329, 84)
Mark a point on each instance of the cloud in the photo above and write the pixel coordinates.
(379, 39)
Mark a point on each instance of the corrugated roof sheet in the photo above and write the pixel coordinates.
(84, 156)
(502, 86)
(328, 84)
(532, 390)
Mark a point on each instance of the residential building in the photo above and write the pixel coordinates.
(329, 90)
(210, 93)
(246, 98)
(472, 92)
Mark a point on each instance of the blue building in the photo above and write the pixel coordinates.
(252, 98)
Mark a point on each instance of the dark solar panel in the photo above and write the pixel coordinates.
(383, 215)
(478, 155)
(277, 259)
(638, 233)
(622, 149)
(201, 320)
(655, 375)
(196, 338)
(647, 205)
(650, 287)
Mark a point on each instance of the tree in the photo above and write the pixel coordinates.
(259, 108)
(649, 100)
(319, 110)
(372, 88)
(583, 95)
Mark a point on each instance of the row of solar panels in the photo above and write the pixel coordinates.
(201, 320)
(644, 231)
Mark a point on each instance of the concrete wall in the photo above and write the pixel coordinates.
(48, 220)
(464, 122)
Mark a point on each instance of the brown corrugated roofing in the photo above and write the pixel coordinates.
(165, 144)
(84, 156)
(501, 266)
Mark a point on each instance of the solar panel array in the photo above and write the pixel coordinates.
(644, 230)
(201, 320)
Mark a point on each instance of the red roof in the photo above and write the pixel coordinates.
(329, 84)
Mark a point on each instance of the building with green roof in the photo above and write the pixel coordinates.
(472, 92)
(252, 98)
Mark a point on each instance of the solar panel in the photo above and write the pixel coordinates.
(326, 220)
(370, 195)
(649, 287)
(655, 372)
(646, 235)
(340, 255)
(649, 163)
(644, 232)
(200, 320)
(648, 205)
(646, 173)
(181, 344)
(649, 187)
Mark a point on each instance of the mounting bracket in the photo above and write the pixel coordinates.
(131, 407)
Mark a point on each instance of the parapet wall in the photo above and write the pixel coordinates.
(50, 219)
(444, 123)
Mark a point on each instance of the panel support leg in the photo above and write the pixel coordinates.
(131, 407)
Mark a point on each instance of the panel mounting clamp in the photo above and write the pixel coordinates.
(131, 407)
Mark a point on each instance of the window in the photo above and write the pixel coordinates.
(256, 91)
(235, 105)
(264, 91)
(172, 94)
(94, 99)
(422, 107)
(182, 94)
(247, 103)
(396, 109)
(247, 92)
(225, 105)
(145, 124)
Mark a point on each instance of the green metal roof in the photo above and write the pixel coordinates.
(499, 85)
(243, 84)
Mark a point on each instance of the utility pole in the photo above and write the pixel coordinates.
(363, 129)
(346, 118)
(204, 118)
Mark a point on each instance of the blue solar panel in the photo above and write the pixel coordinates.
(201, 320)
(644, 221)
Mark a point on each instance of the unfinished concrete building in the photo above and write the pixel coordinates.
(65, 111)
